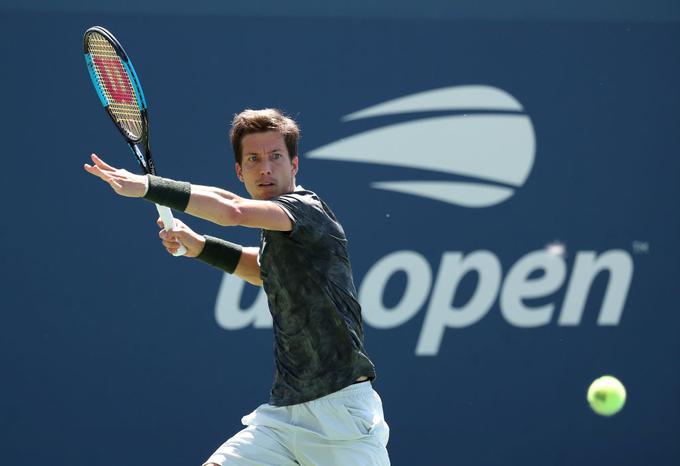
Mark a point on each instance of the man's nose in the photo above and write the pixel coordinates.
(265, 167)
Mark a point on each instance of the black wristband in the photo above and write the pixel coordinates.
(220, 253)
(167, 192)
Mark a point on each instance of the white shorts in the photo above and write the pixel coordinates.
(345, 428)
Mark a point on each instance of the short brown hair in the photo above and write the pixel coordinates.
(260, 121)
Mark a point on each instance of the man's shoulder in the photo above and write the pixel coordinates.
(300, 194)
(306, 207)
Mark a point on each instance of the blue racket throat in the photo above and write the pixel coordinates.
(140, 157)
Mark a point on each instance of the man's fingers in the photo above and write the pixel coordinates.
(100, 163)
(171, 244)
(97, 170)
(168, 236)
(93, 170)
(160, 223)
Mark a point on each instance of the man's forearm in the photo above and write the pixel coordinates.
(209, 203)
(214, 204)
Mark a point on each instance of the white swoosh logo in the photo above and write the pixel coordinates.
(491, 148)
(448, 98)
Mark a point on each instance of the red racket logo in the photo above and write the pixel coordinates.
(115, 80)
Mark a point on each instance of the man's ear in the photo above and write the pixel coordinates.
(295, 161)
(239, 172)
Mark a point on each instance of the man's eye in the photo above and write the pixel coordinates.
(276, 156)
(252, 158)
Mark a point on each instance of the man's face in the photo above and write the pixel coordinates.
(266, 169)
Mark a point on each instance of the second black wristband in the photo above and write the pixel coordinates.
(222, 254)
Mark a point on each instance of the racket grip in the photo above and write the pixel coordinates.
(169, 224)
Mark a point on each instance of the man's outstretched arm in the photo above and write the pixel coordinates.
(209, 203)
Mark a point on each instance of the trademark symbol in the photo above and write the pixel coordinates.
(640, 247)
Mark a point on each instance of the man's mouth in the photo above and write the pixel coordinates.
(265, 184)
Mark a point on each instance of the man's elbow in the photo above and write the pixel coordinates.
(229, 214)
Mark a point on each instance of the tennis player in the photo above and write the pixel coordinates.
(322, 410)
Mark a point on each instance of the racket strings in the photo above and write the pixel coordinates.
(116, 85)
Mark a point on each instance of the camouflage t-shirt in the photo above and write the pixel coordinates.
(318, 334)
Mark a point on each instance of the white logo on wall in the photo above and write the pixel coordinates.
(495, 151)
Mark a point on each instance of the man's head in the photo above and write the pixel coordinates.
(265, 148)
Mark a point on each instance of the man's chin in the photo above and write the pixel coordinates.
(265, 194)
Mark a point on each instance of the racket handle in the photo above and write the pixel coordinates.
(169, 224)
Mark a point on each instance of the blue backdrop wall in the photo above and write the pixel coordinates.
(509, 188)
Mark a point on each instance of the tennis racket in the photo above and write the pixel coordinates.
(121, 94)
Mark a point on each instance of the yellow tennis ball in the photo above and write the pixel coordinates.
(606, 395)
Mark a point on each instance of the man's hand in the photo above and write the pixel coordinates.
(181, 234)
(122, 181)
